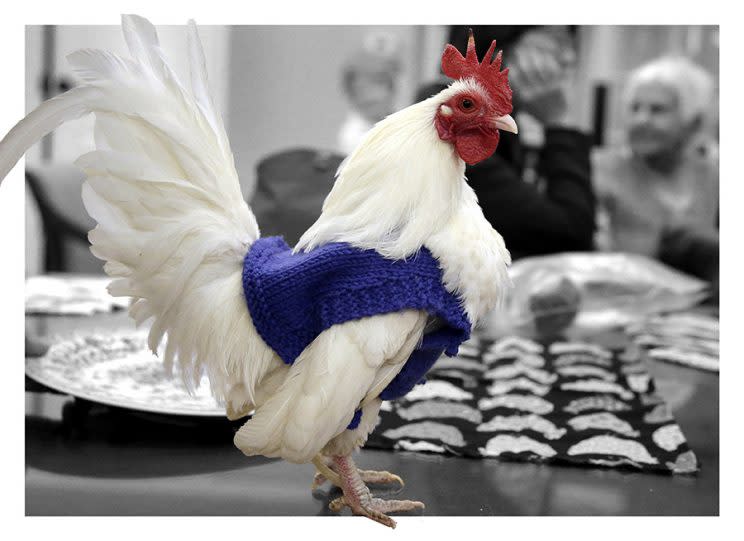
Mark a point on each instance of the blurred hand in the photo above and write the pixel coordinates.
(35, 347)
(542, 69)
(693, 250)
(554, 302)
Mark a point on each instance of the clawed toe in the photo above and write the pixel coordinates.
(356, 493)
(318, 480)
(376, 508)
(371, 477)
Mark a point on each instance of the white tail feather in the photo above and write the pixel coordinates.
(42, 120)
(173, 227)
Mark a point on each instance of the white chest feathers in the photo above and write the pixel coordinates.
(473, 259)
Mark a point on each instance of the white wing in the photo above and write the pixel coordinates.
(345, 366)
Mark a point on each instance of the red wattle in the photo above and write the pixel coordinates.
(475, 147)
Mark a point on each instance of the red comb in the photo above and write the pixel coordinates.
(488, 73)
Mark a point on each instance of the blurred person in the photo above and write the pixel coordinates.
(291, 186)
(369, 80)
(659, 193)
(556, 213)
(292, 183)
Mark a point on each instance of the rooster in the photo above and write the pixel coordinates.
(178, 238)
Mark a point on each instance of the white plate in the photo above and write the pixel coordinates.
(117, 369)
(68, 294)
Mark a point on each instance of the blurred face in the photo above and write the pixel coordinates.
(372, 94)
(655, 123)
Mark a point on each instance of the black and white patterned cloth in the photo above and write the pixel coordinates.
(516, 399)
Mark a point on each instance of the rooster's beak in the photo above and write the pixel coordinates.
(506, 123)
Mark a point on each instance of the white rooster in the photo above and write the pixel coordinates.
(176, 234)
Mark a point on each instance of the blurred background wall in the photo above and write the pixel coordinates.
(280, 87)
(285, 85)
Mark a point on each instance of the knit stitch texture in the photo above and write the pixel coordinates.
(292, 298)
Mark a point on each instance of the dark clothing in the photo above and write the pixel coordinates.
(290, 188)
(505, 36)
(533, 221)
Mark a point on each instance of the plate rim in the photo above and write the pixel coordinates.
(39, 377)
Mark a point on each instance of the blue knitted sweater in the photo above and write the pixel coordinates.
(292, 298)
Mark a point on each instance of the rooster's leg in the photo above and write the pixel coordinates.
(325, 472)
(359, 499)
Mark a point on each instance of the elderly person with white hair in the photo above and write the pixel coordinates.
(661, 189)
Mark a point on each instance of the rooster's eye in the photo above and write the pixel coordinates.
(467, 104)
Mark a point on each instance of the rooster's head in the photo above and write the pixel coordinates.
(471, 117)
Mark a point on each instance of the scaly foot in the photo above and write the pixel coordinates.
(370, 477)
(375, 508)
(325, 472)
(358, 498)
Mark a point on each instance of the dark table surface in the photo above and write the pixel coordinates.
(86, 459)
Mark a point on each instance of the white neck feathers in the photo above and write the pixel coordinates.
(403, 188)
(398, 187)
